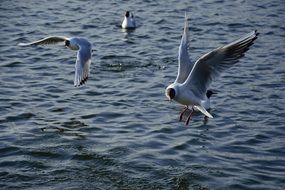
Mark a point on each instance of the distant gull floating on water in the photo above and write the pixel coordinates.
(193, 80)
(83, 61)
(129, 21)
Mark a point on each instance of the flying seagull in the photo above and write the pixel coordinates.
(191, 87)
(84, 52)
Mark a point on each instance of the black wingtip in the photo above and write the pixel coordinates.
(83, 81)
(255, 37)
(256, 33)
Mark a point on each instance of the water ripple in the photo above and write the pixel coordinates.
(119, 131)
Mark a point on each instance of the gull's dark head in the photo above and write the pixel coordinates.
(209, 93)
(127, 14)
(170, 93)
(67, 43)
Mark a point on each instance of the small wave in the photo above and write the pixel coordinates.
(20, 117)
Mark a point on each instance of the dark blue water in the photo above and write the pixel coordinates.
(119, 131)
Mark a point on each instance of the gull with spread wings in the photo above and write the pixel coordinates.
(84, 52)
(191, 87)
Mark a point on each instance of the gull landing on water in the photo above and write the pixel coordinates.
(193, 80)
(84, 52)
(129, 21)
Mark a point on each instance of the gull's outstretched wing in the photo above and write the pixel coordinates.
(184, 64)
(211, 65)
(82, 65)
(46, 41)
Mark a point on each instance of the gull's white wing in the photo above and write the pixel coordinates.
(46, 41)
(184, 64)
(211, 65)
(82, 65)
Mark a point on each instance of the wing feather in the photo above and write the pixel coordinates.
(184, 64)
(82, 65)
(46, 41)
(211, 65)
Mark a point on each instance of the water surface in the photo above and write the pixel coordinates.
(119, 131)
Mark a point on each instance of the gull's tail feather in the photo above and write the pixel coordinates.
(204, 111)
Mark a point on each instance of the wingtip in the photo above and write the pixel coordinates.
(26, 44)
(81, 82)
(22, 44)
(255, 35)
(186, 24)
(186, 18)
(256, 32)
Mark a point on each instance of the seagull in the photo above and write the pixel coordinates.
(193, 80)
(129, 21)
(84, 51)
